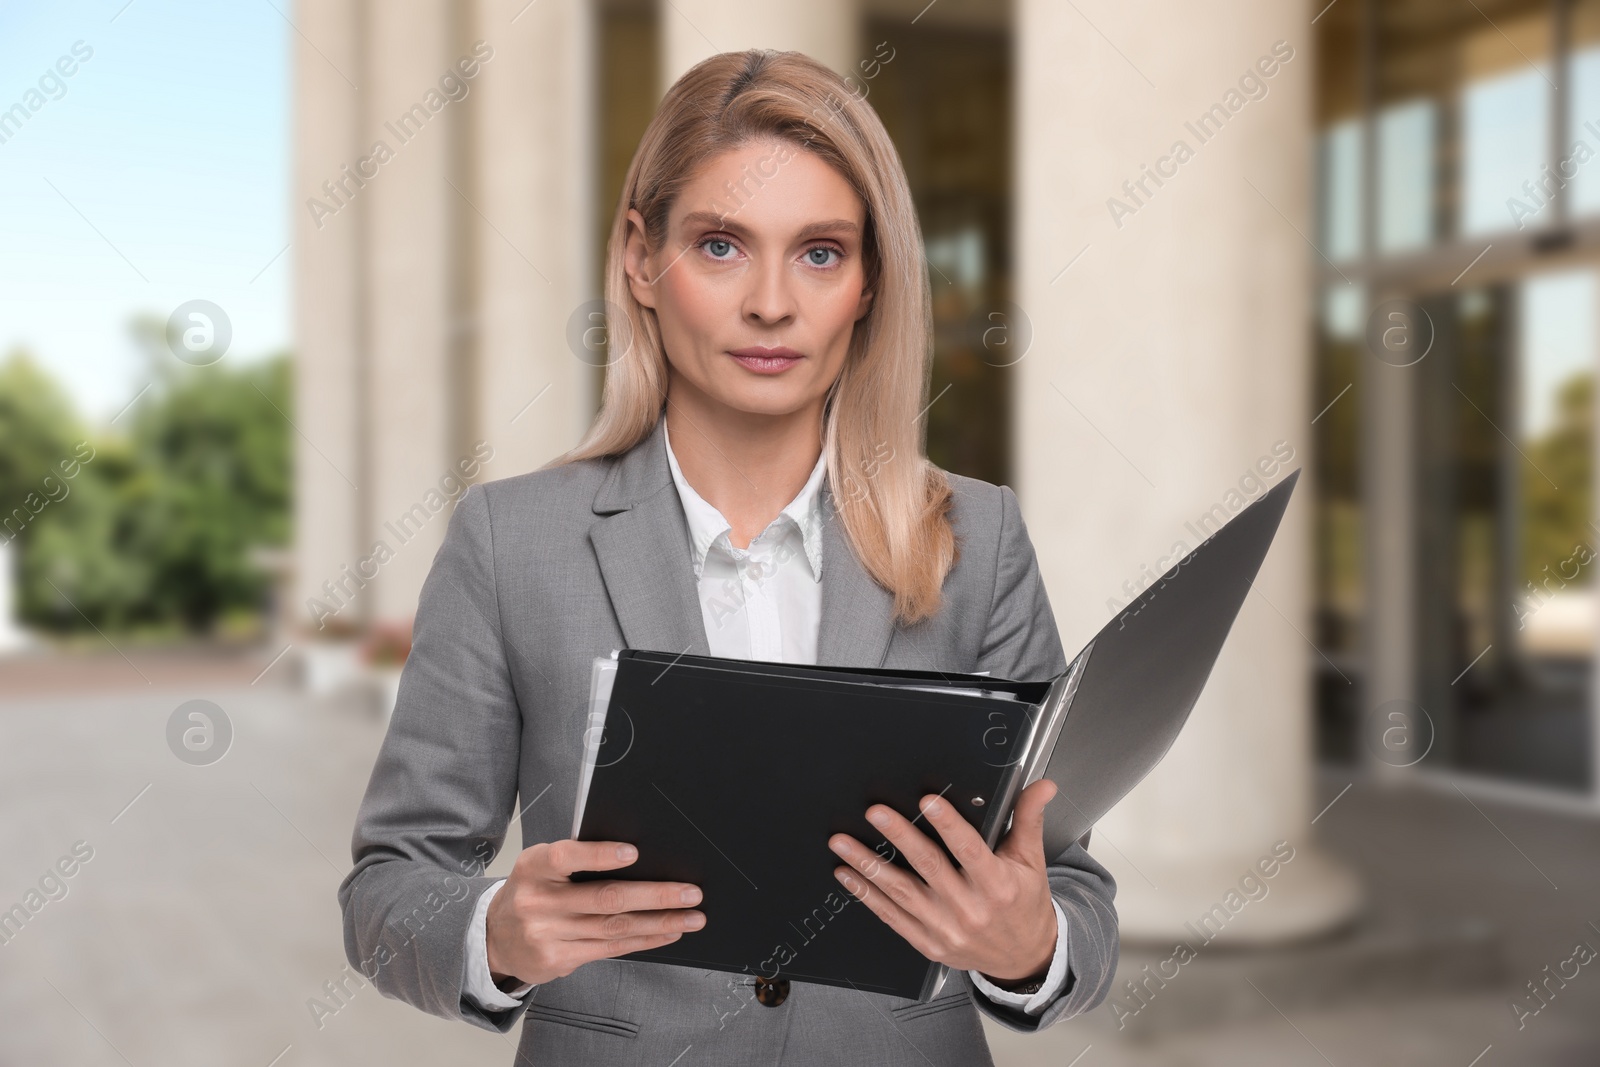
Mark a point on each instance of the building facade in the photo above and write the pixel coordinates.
(1157, 253)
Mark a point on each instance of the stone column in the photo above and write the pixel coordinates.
(691, 30)
(1171, 353)
(535, 172)
(437, 273)
(409, 382)
(329, 299)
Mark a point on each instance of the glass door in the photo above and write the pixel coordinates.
(1506, 545)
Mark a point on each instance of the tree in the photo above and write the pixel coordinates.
(159, 527)
(38, 429)
(215, 452)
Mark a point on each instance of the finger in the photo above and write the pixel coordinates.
(961, 838)
(614, 896)
(924, 855)
(897, 918)
(620, 946)
(906, 890)
(1025, 841)
(633, 924)
(563, 858)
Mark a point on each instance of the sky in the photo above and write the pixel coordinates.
(159, 174)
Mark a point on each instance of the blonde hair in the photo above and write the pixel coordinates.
(894, 502)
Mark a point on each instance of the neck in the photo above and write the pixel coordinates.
(747, 466)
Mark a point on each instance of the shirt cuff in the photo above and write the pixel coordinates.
(1054, 979)
(480, 983)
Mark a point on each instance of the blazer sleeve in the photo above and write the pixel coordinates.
(442, 790)
(1022, 642)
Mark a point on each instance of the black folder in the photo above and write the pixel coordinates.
(732, 774)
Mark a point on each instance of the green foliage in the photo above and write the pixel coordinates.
(37, 429)
(1556, 479)
(157, 529)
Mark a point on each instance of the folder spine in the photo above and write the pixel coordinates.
(1057, 704)
(1040, 743)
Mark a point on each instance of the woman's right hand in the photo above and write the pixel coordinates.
(542, 925)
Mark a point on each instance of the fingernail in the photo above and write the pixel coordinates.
(626, 852)
(849, 882)
(878, 817)
(694, 922)
(933, 807)
(840, 847)
(691, 896)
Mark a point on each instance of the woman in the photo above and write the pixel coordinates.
(758, 454)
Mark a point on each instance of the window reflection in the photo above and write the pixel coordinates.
(1556, 613)
(1505, 143)
(1337, 432)
(943, 100)
(1457, 103)
(1341, 190)
(1405, 175)
(1583, 125)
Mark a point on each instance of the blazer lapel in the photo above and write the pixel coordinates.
(857, 613)
(642, 544)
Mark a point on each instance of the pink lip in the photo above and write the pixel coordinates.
(766, 360)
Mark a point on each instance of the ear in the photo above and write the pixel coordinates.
(864, 305)
(636, 260)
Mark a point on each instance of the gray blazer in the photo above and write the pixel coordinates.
(537, 575)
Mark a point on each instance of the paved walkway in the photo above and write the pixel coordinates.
(205, 916)
(1428, 859)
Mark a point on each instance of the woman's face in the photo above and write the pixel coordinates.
(759, 283)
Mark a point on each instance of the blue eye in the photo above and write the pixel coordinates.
(825, 251)
(711, 245)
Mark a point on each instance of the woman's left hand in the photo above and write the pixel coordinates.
(991, 914)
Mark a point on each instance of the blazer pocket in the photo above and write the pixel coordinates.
(583, 1020)
(931, 1007)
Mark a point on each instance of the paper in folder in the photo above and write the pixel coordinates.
(732, 774)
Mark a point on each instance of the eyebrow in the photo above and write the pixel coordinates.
(724, 222)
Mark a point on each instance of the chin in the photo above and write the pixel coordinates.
(771, 401)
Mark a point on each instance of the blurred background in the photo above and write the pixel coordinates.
(281, 279)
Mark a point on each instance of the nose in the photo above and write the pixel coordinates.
(769, 299)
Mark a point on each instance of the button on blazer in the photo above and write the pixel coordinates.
(536, 576)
